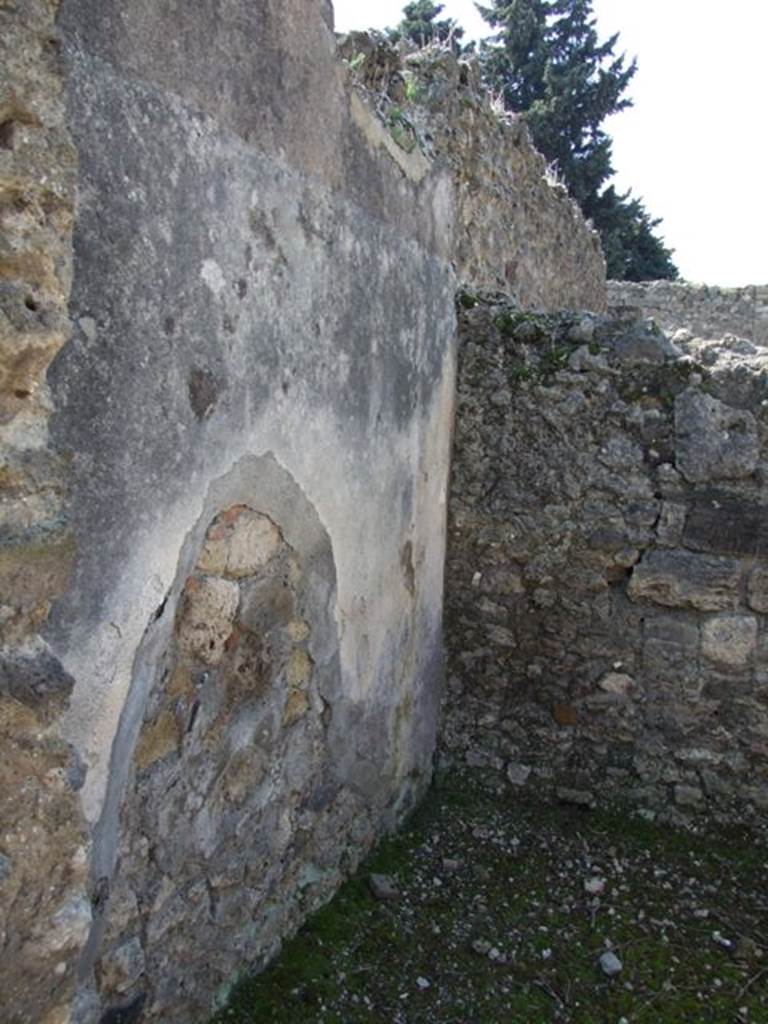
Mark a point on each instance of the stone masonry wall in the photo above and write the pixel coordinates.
(607, 567)
(227, 385)
(516, 230)
(44, 907)
(705, 311)
(223, 500)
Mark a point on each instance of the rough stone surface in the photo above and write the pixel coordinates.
(729, 640)
(516, 229)
(226, 345)
(242, 347)
(605, 604)
(235, 802)
(44, 910)
(713, 441)
(682, 579)
(757, 593)
(703, 311)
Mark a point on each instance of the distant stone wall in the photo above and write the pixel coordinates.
(705, 311)
(607, 566)
(515, 229)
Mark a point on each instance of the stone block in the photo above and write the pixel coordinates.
(617, 683)
(645, 345)
(33, 678)
(239, 543)
(208, 614)
(682, 579)
(757, 589)
(669, 529)
(688, 796)
(727, 524)
(713, 440)
(120, 968)
(729, 640)
(517, 773)
(35, 572)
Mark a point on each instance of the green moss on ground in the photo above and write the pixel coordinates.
(512, 935)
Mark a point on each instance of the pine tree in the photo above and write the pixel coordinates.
(546, 61)
(633, 252)
(420, 25)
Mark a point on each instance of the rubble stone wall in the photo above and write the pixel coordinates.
(706, 311)
(516, 230)
(607, 564)
(227, 386)
(45, 910)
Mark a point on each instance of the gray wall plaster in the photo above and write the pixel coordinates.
(233, 297)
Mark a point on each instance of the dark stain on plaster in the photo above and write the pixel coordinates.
(128, 1013)
(406, 563)
(7, 132)
(203, 392)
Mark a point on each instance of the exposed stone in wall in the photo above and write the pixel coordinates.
(607, 564)
(516, 230)
(44, 909)
(230, 830)
(708, 312)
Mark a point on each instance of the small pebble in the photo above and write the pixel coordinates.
(422, 983)
(610, 964)
(383, 887)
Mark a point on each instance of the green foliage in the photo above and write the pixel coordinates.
(357, 62)
(632, 251)
(420, 25)
(546, 61)
(401, 129)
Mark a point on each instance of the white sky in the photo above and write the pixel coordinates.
(695, 145)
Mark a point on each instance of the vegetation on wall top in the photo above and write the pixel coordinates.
(545, 61)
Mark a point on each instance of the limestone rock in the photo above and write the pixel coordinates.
(688, 796)
(582, 360)
(238, 543)
(722, 522)
(757, 589)
(713, 441)
(617, 683)
(582, 331)
(681, 579)
(383, 887)
(610, 964)
(518, 774)
(729, 640)
(669, 528)
(645, 344)
(121, 967)
(207, 617)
